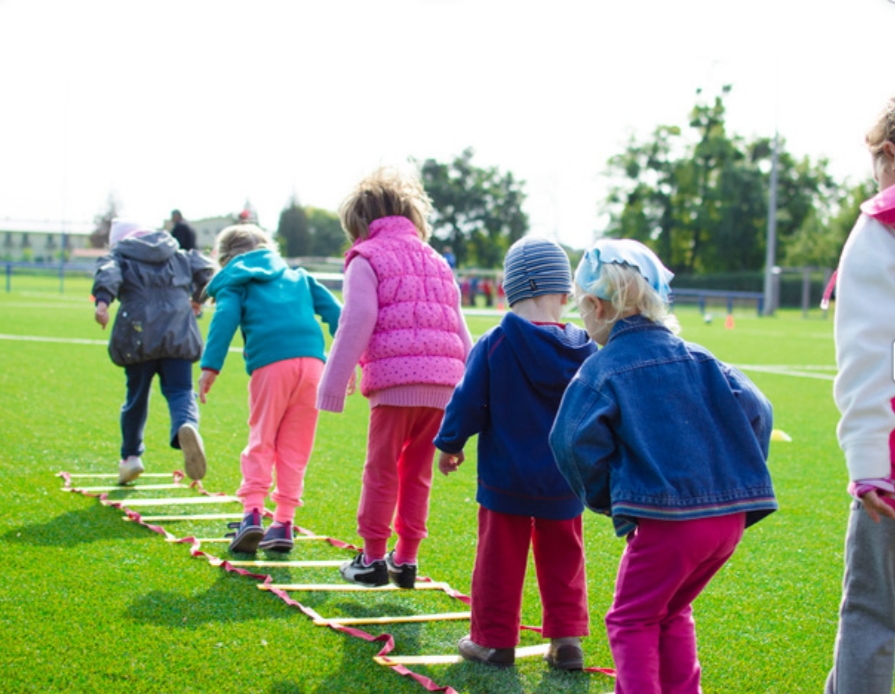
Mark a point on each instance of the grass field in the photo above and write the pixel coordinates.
(91, 603)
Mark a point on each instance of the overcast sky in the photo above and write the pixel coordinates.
(202, 104)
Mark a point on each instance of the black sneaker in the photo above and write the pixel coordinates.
(402, 575)
(356, 571)
(278, 538)
(248, 533)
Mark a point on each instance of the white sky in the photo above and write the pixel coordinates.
(201, 104)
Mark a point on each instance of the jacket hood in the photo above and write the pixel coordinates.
(565, 347)
(155, 247)
(262, 265)
(881, 206)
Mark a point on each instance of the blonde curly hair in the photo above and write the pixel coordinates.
(387, 192)
(883, 130)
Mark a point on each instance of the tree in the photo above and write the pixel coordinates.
(328, 239)
(99, 237)
(701, 202)
(478, 211)
(293, 232)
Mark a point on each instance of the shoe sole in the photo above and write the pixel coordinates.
(247, 541)
(193, 451)
(277, 545)
(129, 477)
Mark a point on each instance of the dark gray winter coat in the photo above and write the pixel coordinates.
(154, 281)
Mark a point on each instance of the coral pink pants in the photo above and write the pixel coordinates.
(397, 478)
(499, 575)
(663, 569)
(282, 423)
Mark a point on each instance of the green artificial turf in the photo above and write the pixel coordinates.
(92, 603)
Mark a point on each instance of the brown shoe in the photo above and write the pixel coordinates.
(499, 657)
(565, 653)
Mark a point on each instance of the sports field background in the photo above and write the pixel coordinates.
(92, 603)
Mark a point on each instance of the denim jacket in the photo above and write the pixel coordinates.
(656, 427)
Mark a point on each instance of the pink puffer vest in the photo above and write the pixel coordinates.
(416, 339)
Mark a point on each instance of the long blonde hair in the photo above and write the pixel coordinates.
(387, 192)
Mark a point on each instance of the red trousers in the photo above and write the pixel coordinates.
(499, 575)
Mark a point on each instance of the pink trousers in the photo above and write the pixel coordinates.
(282, 423)
(651, 629)
(499, 575)
(397, 478)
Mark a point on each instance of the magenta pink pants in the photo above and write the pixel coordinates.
(651, 629)
(282, 423)
(397, 476)
(499, 574)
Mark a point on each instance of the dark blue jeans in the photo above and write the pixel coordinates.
(176, 378)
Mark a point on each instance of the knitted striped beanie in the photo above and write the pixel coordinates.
(535, 266)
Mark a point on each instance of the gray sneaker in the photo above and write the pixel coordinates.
(129, 469)
(498, 657)
(565, 654)
(193, 451)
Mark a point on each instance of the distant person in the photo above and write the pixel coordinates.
(183, 232)
(274, 307)
(155, 333)
(509, 396)
(669, 442)
(864, 391)
(402, 322)
(450, 258)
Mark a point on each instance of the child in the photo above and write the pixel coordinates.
(672, 444)
(509, 395)
(155, 332)
(274, 306)
(402, 322)
(865, 392)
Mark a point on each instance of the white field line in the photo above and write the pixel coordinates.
(801, 371)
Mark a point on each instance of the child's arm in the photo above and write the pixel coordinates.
(583, 444)
(356, 324)
(224, 322)
(206, 380)
(325, 305)
(468, 412)
(101, 313)
(756, 406)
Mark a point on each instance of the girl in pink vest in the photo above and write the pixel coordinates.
(401, 322)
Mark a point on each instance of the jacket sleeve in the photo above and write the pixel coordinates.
(224, 323)
(756, 406)
(202, 270)
(468, 411)
(107, 278)
(583, 444)
(356, 324)
(325, 305)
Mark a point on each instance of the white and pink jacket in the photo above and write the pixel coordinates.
(401, 321)
(864, 389)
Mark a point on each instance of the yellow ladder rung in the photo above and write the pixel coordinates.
(524, 652)
(119, 488)
(308, 563)
(194, 517)
(173, 501)
(348, 587)
(104, 475)
(443, 616)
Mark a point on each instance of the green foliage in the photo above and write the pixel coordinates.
(478, 211)
(328, 239)
(701, 201)
(91, 603)
(293, 231)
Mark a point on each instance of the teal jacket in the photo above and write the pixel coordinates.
(274, 306)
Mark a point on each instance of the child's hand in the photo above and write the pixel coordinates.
(352, 383)
(876, 506)
(197, 308)
(449, 462)
(101, 314)
(205, 382)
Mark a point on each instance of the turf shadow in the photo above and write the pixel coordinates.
(74, 528)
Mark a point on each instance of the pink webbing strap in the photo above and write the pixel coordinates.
(385, 638)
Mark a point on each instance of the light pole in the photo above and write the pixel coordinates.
(770, 299)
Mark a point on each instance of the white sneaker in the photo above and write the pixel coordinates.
(193, 451)
(129, 469)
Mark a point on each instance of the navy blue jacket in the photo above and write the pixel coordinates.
(656, 427)
(514, 380)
